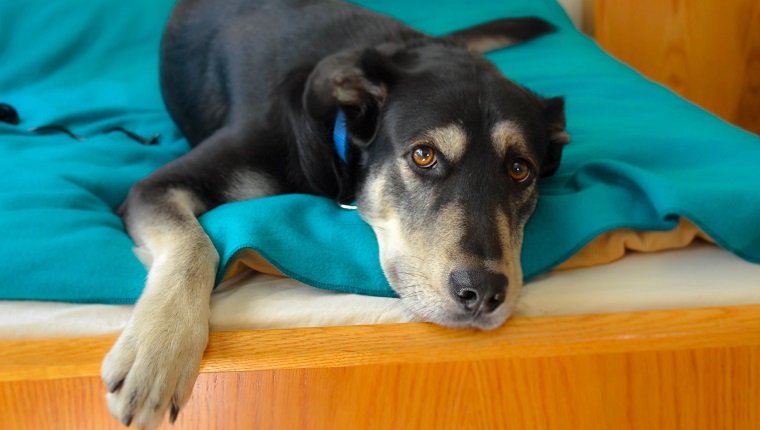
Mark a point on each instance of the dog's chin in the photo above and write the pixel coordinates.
(481, 322)
(451, 317)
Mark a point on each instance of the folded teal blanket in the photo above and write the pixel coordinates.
(640, 156)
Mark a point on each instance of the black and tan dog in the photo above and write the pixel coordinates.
(444, 156)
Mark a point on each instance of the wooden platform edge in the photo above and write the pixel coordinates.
(328, 347)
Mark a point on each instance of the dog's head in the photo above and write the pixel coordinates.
(449, 153)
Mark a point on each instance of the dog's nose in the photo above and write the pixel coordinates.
(478, 290)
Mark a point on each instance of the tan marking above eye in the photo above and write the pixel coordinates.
(450, 140)
(423, 156)
(519, 170)
(506, 135)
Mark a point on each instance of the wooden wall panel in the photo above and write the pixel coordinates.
(681, 369)
(689, 389)
(706, 50)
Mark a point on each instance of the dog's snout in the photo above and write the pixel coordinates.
(478, 291)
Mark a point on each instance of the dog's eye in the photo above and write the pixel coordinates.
(423, 156)
(519, 170)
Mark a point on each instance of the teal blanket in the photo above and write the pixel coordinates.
(640, 156)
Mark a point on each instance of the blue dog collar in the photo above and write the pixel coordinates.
(341, 145)
(339, 136)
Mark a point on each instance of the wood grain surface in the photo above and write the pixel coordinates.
(681, 369)
(707, 51)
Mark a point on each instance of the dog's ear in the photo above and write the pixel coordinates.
(500, 33)
(355, 82)
(554, 109)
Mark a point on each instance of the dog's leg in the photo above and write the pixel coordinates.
(154, 364)
(156, 359)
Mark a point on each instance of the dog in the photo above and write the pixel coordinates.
(443, 158)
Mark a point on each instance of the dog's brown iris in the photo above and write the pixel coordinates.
(519, 170)
(423, 156)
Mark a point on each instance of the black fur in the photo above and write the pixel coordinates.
(265, 71)
(255, 86)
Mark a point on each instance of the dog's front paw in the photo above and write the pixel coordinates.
(153, 366)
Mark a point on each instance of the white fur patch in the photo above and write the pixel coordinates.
(487, 44)
(247, 185)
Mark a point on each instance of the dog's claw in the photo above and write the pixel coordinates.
(173, 412)
(127, 420)
(112, 387)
